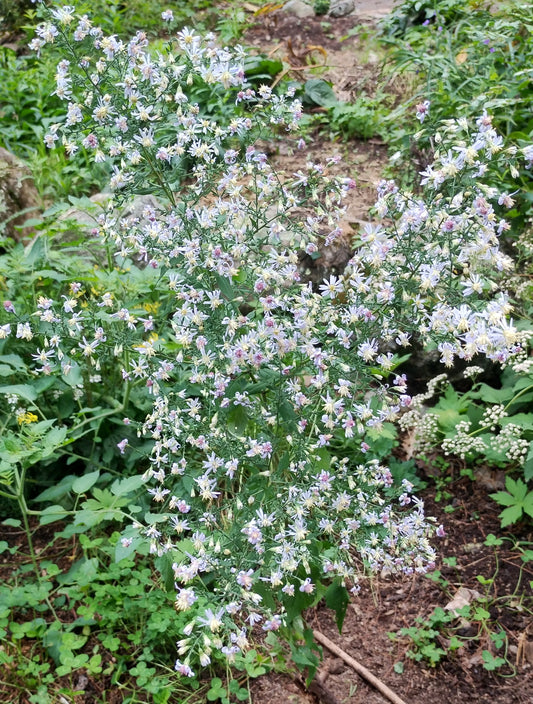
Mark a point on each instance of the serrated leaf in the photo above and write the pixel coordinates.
(528, 504)
(503, 498)
(517, 488)
(510, 515)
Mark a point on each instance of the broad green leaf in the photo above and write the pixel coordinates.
(320, 92)
(257, 66)
(337, 598)
(55, 437)
(490, 395)
(125, 486)
(517, 488)
(503, 498)
(524, 420)
(13, 360)
(25, 391)
(54, 493)
(528, 504)
(51, 514)
(82, 572)
(82, 484)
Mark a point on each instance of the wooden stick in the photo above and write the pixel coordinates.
(360, 669)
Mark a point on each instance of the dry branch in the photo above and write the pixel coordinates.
(360, 669)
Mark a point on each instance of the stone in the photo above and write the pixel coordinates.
(299, 9)
(341, 8)
(19, 198)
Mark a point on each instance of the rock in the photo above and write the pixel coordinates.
(19, 199)
(299, 9)
(341, 8)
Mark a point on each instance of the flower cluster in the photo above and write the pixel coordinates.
(255, 375)
(463, 443)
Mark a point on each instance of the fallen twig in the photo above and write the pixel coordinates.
(360, 669)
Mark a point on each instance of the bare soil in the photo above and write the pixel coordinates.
(386, 605)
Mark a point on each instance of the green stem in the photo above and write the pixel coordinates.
(24, 511)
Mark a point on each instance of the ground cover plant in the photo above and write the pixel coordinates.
(226, 423)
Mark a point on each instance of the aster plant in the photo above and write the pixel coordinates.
(257, 377)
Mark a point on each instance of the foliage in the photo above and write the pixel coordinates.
(483, 426)
(252, 372)
(12, 13)
(92, 408)
(467, 59)
(321, 7)
(468, 626)
(178, 340)
(27, 105)
(517, 499)
(95, 613)
(362, 118)
(411, 13)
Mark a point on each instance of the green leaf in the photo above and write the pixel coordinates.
(82, 484)
(337, 598)
(528, 465)
(492, 540)
(320, 92)
(54, 493)
(511, 515)
(490, 395)
(503, 498)
(516, 487)
(524, 420)
(126, 549)
(25, 391)
(490, 662)
(51, 514)
(126, 486)
(82, 573)
(13, 360)
(257, 66)
(527, 504)
(480, 614)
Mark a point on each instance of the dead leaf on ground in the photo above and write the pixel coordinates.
(524, 653)
(462, 597)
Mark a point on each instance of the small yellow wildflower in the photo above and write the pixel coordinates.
(26, 418)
